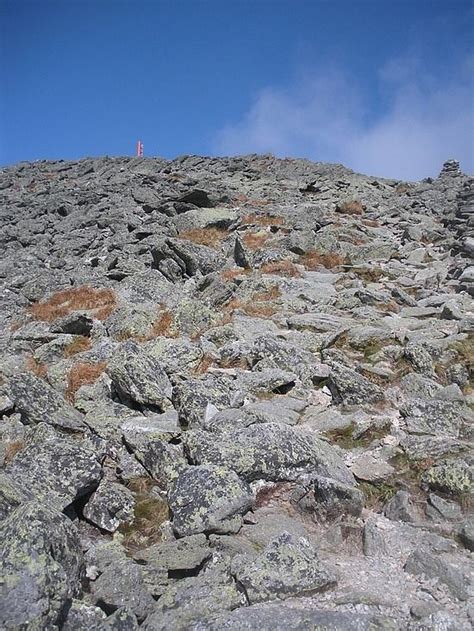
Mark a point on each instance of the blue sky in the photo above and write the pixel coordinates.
(383, 86)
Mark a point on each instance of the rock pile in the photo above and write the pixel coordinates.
(235, 393)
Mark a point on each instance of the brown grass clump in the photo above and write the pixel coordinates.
(206, 362)
(281, 268)
(82, 374)
(230, 274)
(270, 294)
(314, 260)
(256, 309)
(163, 326)
(37, 368)
(350, 208)
(12, 448)
(264, 220)
(255, 240)
(79, 345)
(150, 512)
(212, 237)
(101, 301)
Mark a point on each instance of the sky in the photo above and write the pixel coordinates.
(385, 87)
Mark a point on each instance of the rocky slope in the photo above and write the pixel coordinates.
(234, 394)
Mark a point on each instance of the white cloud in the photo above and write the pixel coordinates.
(425, 121)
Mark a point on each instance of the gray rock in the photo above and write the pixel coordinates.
(422, 562)
(439, 507)
(208, 498)
(110, 505)
(192, 601)
(138, 376)
(466, 534)
(286, 567)
(349, 387)
(84, 616)
(278, 617)
(122, 584)
(267, 451)
(41, 566)
(53, 468)
(176, 557)
(38, 402)
(328, 498)
(400, 508)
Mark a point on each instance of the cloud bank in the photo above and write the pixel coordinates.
(420, 121)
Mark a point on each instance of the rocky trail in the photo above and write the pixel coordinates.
(235, 393)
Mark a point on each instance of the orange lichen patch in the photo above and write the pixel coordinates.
(314, 260)
(281, 268)
(255, 240)
(212, 237)
(230, 274)
(11, 449)
(82, 374)
(37, 368)
(350, 208)
(263, 220)
(79, 345)
(101, 301)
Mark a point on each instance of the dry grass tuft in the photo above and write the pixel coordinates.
(163, 326)
(255, 309)
(264, 220)
(206, 362)
(12, 448)
(255, 240)
(212, 237)
(230, 274)
(150, 512)
(37, 368)
(350, 208)
(315, 260)
(281, 268)
(82, 374)
(79, 345)
(101, 301)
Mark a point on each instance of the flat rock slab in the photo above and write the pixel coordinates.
(208, 498)
(287, 567)
(268, 451)
(38, 402)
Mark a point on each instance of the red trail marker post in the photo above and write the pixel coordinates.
(139, 149)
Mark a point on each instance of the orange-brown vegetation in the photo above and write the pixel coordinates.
(11, 449)
(163, 326)
(256, 309)
(263, 220)
(37, 368)
(350, 208)
(369, 275)
(230, 274)
(212, 237)
(270, 294)
(314, 260)
(78, 345)
(281, 268)
(101, 301)
(390, 306)
(82, 374)
(255, 240)
(206, 362)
